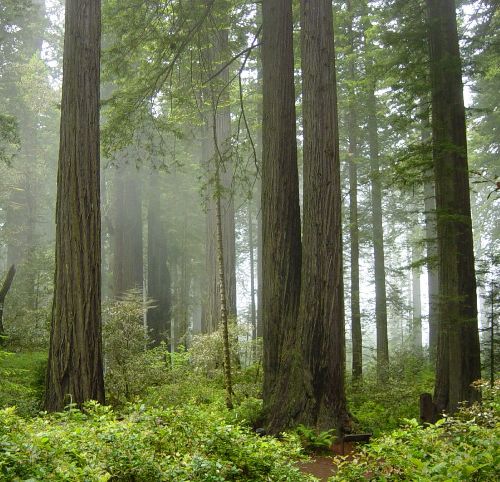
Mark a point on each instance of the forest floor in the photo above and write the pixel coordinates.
(325, 465)
(322, 467)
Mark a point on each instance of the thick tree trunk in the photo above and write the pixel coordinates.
(352, 127)
(159, 289)
(378, 239)
(458, 361)
(281, 245)
(309, 382)
(321, 316)
(128, 249)
(75, 370)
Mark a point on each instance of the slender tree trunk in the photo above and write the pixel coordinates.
(260, 330)
(378, 239)
(458, 360)
(431, 244)
(159, 284)
(223, 301)
(432, 271)
(253, 311)
(281, 245)
(75, 370)
(416, 326)
(352, 126)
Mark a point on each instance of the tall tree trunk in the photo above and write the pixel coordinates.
(128, 249)
(378, 238)
(352, 127)
(159, 289)
(458, 360)
(75, 370)
(281, 245)
(321, 316)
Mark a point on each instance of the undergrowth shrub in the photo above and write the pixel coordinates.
(142, 444)
(463, 447)
(377, 407)
(130, 367)
(22, 381)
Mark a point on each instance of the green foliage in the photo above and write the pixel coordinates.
(22, 378)
(464, 447)
(144, 444)
(9, 138)
(378, 408)
(129, 366)
(314, 441)
(29, 330)
(206, 350)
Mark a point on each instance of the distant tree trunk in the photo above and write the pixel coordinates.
(258, 196)
(281, 245)
(431, 244)
(458, 360)
(253, 311)
(219, 134)
(432, 271)
(75, 370)
(416, 326)
(128, 250)
(183, 284)
(352, 127)
(3, 293)
(259, 262)
(159, 289)
(378, 239)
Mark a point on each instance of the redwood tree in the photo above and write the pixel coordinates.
(321, 316)
(75, 371)
(458, 363)
(281, 246)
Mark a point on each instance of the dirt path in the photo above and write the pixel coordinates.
(324, 466)
(321, 467)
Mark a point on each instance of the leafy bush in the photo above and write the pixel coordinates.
(143, 444)
(129, 366)
(29, 330)
(464, 447)
(206, 351)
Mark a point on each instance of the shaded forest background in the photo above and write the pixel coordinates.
(181, 115)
